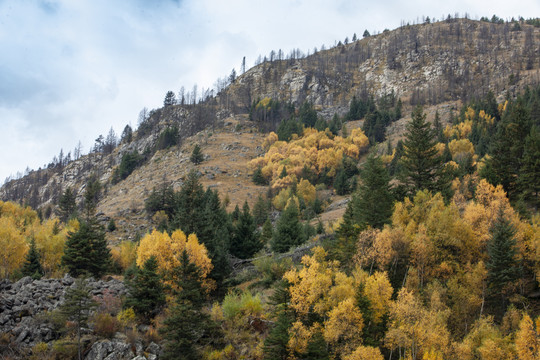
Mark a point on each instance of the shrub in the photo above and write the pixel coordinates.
(65, 349)
(239, 305)
(105, 325)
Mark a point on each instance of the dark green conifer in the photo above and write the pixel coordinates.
(288, 232)
(187, 327)
(423, 167)
(245, 240)
(502, 265)
(32, 266)
(146, 295)
(67, 208)
(86, 252)
(77, 306)
(197, 156)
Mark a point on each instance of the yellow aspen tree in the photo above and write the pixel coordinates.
(527, 340)
(167, 250)
(343, 329)
(365, 353)
(13, 245)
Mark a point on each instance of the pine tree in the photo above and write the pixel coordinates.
(374, 204)
(32, 266)
(341, 184)
(197, 156)
(258, 177)
(529, 179)
(86, 251)
(146, 295)
(170, 99)
(275, 344)
(190, 205)
(260, 211)
(423, 168)
(187, 326)
(288, 231)
(67, 208)
(267, 231)
(502, 265)
(77, 306)
(245, 240)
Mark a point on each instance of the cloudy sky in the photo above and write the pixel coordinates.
(71, 69)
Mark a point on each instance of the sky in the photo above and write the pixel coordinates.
(72, 69)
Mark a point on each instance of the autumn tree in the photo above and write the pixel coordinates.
(527, 343)
(423, 167)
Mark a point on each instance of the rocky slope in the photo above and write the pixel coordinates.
(439, 65)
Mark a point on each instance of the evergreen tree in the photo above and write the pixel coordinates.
(423, 168)
(146, 295)
(275, 344)
(341, 184)
(77, 306)
(288, 231)
(32, 266)
(317, 348)
(245, 240)
(67, 208)
(92, 195)
(260, 210)
(258, 177)
(187, 326)
(190, 205)
(86, 251)
(267, 231)
(374, 204)
(197, 156)
(502, 265)
(213, 232)
(529, 179)
(170, 99)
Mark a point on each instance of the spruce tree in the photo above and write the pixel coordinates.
(288, 232)
(86, 251)
(32, 266)
(245, 240)
(529, 177)
(275, 344)
(374, 204)
(189, 205)
(77, 306)
(187, 326)
(260, 211)
(502, 265)
(197, 156)
(67, 208)
(423, 167)
(146, 295)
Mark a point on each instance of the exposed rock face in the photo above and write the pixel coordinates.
(23, 301)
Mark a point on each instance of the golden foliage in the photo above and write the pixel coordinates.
(527, 346)
(343, 329)
(365, 353)
(13, 245)
(317, 150)
(167, 250)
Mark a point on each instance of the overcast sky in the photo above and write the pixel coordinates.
(71, 69)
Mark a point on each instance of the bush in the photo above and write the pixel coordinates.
(240, 305)
(106, 325)
(65, 349)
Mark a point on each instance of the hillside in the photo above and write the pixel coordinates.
(376, 200)
(438, 65)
